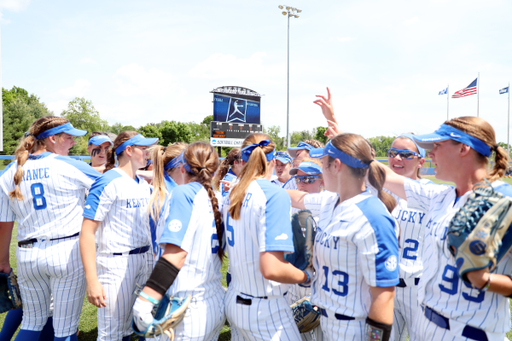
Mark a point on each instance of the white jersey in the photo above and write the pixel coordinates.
(290, 184)
(440, 288)
(355, 248)
(121, 204)
(264, 225)
(188, 222)
(53, 189)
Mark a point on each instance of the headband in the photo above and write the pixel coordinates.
(175, 162)
(421, 151)
(334, 152)
(247, 150)
(137, 140)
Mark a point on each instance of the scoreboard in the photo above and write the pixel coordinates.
(231, 134)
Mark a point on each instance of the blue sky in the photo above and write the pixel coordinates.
(385, 61)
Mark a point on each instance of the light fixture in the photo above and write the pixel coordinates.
(299, 10)
(284, 12)
(288, 8)
(280, 6)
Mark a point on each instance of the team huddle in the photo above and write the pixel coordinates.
(143, 246)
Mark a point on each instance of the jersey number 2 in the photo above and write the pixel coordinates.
(39, 200)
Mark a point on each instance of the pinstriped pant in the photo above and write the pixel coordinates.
(51, 268)
(119, 275)
(264, 319)
(406, 307)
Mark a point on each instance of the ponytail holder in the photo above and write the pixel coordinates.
(163, 150)
(247, 150)
(371, 161)
(27, 134)
(495, 147)
(201, 168)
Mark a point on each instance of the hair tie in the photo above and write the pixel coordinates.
(163, 150)
(495, 147)
(201, 168)
(27, 134)
(371, 161)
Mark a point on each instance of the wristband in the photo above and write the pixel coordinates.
(307, 278)
(149, 298)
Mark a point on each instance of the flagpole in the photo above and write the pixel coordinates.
(448, 102)
(478, 96)
(508, 120)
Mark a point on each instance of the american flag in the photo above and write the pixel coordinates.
(467, 91)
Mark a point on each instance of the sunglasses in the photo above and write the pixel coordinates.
(306, 179)
(404, 153)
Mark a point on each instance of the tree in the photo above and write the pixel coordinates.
(150, 130)
(207, 120)
(298, 136)
(381, 144)
(20, 110)
(82, 115)
(273, 133)
(319, 134)
(199, 132)
(173, 131)
(116, 128)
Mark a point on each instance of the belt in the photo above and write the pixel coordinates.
(403, 284)
(339, 317)
(444, 322)
(133, 252)
(248, 301)
(34, 240)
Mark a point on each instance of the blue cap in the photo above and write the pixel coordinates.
(137, 140)
(421, 151)
(64, 128)
(310, 168)
(301, 145)
(446, 132)
(100, 139)
(283, 157)
(338, 154)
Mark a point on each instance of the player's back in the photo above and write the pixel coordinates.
(53, 189)
(188, 222)
(255, 232)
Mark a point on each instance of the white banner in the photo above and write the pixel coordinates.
(219, 142)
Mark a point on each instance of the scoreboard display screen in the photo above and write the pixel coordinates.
(236, 109)
(232, 130)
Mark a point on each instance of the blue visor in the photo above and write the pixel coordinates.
(137, 140)
(446, 132)
(247, 150)
(310, 168)
(302, 145)
(64, 128)
(421, 151)
(283, 157)
(100, 139)
(338, 154)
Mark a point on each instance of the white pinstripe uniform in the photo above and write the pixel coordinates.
(156, 231)
(468, 311)
(411, 242)
(355, 247)
(255, 306)
(53, 189)
(121, 204)
(188, 222)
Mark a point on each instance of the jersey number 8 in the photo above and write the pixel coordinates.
(39, 200)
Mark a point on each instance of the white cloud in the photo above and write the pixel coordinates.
(14, 5)
(343, 39)
(57, 106)
(411, 21)
(87, 60)
(127, 113)
(133, 79)
(226, 66)
(79, 89)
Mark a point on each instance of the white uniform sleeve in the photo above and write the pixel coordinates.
(314, 201)
(419, 195)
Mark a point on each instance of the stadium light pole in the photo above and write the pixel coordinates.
(290, 12)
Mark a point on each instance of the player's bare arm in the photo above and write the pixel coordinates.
(95, 293)
(381, 308)
(275, 268)
(5, 241)
(500, 284)
(297, 198)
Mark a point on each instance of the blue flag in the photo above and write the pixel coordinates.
(443, 92)
(504, 91)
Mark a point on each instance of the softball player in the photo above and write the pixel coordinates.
(46, 198)
(282, 169)
(257, 235)
(356, 248)
(166, 176)
(308, 177)
(405, 157)
(117, 206)
(191, 237)
(451, 309)
(228, 170)
(98, 147)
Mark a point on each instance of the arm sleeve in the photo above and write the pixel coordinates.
(419, 195)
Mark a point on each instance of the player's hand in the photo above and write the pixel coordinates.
(332, 129)
(96, 295)
(326, 105)
(5, 268)
(227, 184)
